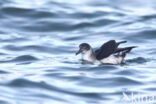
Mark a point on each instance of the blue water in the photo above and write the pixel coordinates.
(39, 39)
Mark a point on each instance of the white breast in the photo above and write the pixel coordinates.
(89, 56)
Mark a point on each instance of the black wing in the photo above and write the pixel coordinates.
(117, 44)
(106, 49)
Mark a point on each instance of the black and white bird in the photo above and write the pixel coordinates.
(108, 53)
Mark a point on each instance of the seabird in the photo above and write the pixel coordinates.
(108, 53)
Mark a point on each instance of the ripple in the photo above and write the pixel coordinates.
(92, 96)
(4, 102)
(126, 72)
(139, 60)
(14, 11)
(127, 81)
(14, 40)
(83, 15)
(24, 58)
(2, 54)
(23, 83)
(148, 17)
(3, 72)
(109, 82)
(39, 48)
(148, 34)
(150, 89)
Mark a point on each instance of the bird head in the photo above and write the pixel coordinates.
(83, 48)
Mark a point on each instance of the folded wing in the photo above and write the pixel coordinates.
(106, 49)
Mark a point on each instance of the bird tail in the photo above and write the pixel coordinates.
(127, 50)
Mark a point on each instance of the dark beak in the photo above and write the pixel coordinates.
(78, 52)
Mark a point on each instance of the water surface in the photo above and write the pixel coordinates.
(39, 40)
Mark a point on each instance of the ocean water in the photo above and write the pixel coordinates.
(39, 39)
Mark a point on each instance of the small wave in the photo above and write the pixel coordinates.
(38, 48)
(4, 102)
(148, 17)
(123, 81)
(23, 83)
(2, 53)
(25, 58)
(16, 11)
(148, 34)
(3, 72)
(150, 89)
(126, 72)
(109, 82)
(139, 60)
(22, 58)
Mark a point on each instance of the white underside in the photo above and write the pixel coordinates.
(112, 59)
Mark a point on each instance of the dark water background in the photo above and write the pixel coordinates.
(39, 38)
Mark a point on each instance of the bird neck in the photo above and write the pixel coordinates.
(89, 56)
